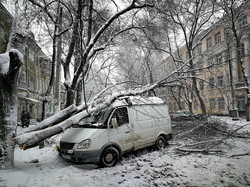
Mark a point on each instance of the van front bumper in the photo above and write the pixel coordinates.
(80, 156)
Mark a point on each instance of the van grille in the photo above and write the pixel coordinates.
(66, 145)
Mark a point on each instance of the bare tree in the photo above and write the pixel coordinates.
(94, 27)
(190, 17)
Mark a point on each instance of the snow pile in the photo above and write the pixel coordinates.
(143, 168)
(5, 61)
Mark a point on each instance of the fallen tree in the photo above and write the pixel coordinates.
(33, 138)
(206, 136)
(55, 124)
(58, 117)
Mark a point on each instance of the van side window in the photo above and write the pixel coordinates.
(121, 115)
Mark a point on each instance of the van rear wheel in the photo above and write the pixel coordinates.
(110, 156)
(160, 143)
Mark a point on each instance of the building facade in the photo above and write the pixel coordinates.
(33, 81)
(219, 75)
(35, 72)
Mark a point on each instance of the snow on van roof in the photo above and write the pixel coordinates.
(137, 100)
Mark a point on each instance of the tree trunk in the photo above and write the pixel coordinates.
(247, 108)
(58, 65)
(70, 97)
(8, 105)
(57, 118)
(197, 92)
(53, 66)
(244, 74)
(79, 94)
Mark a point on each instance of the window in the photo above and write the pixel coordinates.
(121, 115)
(209, 43)
(201, 84)
(243, 21)
(211, 83)
(227, 33)
(212, 103)
(221, 103)
(241, 103)
(31, 55)
(218, 59)
(23, 76)
(220, 81)
(217, 38)
(31, 82)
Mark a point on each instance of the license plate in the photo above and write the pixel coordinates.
(68, 157)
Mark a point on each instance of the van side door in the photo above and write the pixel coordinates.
(143, 128)
(121, 132)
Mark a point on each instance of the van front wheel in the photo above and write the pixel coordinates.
(160, 143)
(109, 157)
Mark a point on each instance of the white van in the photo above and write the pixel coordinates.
(128, 124)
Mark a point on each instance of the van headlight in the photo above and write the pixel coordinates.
(84, 144)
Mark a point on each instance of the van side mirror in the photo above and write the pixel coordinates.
(114, 122)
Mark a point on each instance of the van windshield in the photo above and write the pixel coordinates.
(97, 120)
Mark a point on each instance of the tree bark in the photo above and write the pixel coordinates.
(70, 96)
(58, 65)
(8, 107)
(57, 118)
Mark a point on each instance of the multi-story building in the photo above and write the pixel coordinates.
(34, 80)
(35, 72)
(219, 74)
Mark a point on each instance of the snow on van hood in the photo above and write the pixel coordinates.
(76, 135)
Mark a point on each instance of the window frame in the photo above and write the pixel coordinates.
(217, 38)
(243, 21)
(221, 103)
(212, 103)
(219, 59)
(220, 81)
(118, 122)
(209, 42)
(211, 84)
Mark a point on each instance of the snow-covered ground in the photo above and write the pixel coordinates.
(144, 168)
